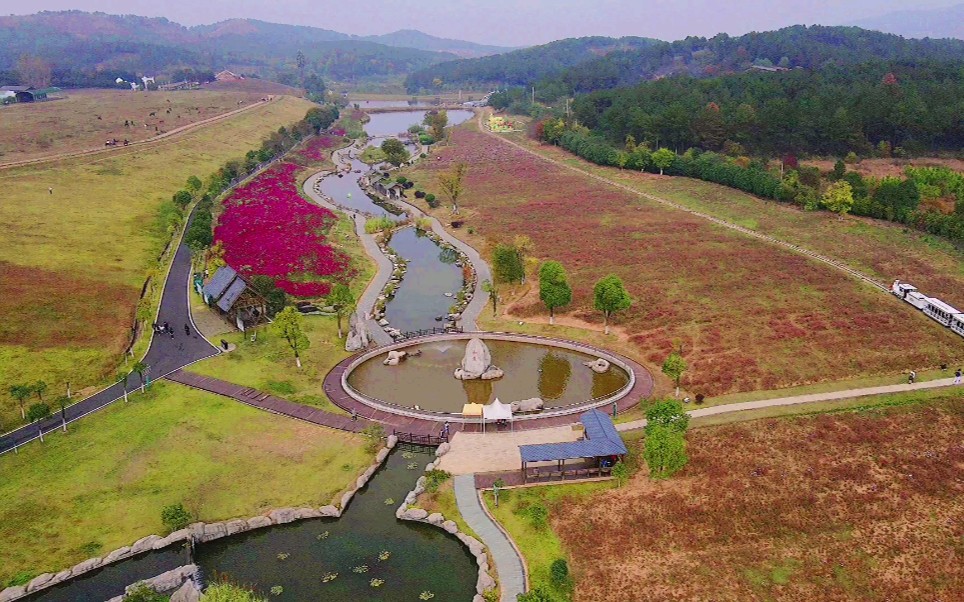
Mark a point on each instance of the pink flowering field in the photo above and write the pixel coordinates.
(268, 229)
(318, 148)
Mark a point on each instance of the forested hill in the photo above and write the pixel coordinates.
(792, 47)
(913, 107)
(85, 48)
(521, 67)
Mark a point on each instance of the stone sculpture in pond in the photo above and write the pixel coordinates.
(477, 363)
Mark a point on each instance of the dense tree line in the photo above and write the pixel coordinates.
(518, 68)
(912, 107)
(913, 200)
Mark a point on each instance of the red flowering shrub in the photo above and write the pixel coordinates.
(268, 229)
(317, 149)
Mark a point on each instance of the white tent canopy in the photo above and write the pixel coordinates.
(496, 411)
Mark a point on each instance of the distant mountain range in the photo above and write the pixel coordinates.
(86, 46)
(590, 64)
(920, 23)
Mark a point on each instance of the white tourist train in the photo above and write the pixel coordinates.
(935, 308)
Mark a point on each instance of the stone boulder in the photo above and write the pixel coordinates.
(346, 498)
(329, 510)
(117, 554)
(39, 581)
(214, 531)
(442, 449)
(599, 366)
(236, 526)
(450, 527)
(416, 514)
(283, 515)
(187, 593)
(12, 593)
(394, 357)
(358, 337)
(485, 582)
(87, 565)
(476, 360)
(144, 544)
(527, 405)
(492, 373)
(258, 522)
(391, 442)
(381, 455)
(435, 518)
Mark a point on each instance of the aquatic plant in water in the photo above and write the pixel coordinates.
(389, 501)
(426, 595)
(276, 590)
(412, 466)
(384, 555)
(283, 556)
(361, 569)
(329, 577)
(408, 455)
(322, 536)
(376, 582)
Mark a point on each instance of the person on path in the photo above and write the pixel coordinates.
(50, 190)
(187, 330)
(911, 378)
(166, 327)
(354, 415)
(957, 377)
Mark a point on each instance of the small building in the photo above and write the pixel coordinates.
(228, 76)
(233, 297)
(390, 190)
(597, 452)
(29, 93)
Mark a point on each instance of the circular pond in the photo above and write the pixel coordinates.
(552, 371)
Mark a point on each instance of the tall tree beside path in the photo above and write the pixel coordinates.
(436, 122)
(141, 368)
(665, 445)
(610, 296)
(663, 159)
(36, 413)
(673, 367)
(122, 376)
(554, 289)
(506, 264)
(523, 246)
(451, 184)
(395, 151)
(21, 393)
(40, 387)
(343, 302)
(493, 292)
(288, 325)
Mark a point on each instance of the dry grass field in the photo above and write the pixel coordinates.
(85, 119)
(75, 260)
(856, 506)
(749, 315)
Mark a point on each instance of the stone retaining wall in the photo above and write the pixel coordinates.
(179, 581)
(202, 532)
(485, 581)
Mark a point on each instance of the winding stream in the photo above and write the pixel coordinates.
(421, 558)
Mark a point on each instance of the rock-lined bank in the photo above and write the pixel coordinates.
(485, 581)
(201, 533)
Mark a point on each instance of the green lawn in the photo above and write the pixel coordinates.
(73, 262)
(539, 546)
(103, 484)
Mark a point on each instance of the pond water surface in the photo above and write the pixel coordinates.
(420, 557)
(531, 370)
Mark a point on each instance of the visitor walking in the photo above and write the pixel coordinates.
(187, 330)
(354, 415)
(50, 190)
(911, 378)
(957, 377)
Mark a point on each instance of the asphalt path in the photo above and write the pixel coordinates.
(165, 355)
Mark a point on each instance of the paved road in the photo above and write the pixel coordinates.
(508, 563)
(802, 399)
(165, 354)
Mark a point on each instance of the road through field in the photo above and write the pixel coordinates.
(651, 197)
(175, 132)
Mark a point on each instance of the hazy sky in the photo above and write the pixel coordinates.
(506, 22)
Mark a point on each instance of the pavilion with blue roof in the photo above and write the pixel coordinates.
(599, 449)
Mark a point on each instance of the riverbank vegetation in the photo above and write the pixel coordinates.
(692, 284)
(74, 259)
(219, 458)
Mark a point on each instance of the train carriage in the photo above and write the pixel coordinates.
(940, 311)
(957, 324)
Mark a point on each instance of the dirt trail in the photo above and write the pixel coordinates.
(108, 149)
(651, 197)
